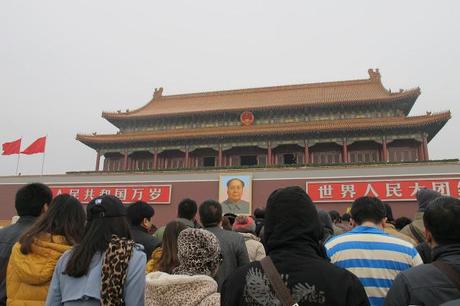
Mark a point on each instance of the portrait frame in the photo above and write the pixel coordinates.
(245, 206)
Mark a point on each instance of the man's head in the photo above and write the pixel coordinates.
(291, 220)
(140, 214)
(368, 209)
(346, 217)
(335, 216)
(424, 197)
(210, 213)
(235, 189)
(187, 209)
(33, 199)
(259, 213)
(442, 221)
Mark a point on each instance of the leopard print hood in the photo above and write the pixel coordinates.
(198, 252)
(185, 290)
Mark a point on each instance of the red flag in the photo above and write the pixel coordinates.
(13, 147)
(38, 146)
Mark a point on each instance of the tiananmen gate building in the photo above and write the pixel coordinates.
(338, 140)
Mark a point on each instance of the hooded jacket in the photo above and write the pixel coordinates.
(416, 230)
(255, 248)
(292, 234)
(163, 289)
(390, 229)
(426, 284)
(29, 275)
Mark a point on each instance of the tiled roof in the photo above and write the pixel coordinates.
(343, 92)
(287, 128)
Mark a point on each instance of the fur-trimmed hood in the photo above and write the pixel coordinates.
(171, 290)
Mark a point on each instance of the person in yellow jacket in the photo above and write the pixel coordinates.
(164, 258)
(34, 257)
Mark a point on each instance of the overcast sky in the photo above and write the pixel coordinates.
(64, 62)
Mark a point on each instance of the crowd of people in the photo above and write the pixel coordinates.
(288, 253)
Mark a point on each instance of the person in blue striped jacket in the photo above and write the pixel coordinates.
(374, 256)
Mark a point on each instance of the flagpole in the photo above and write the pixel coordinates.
(43, 157)
(17, 163)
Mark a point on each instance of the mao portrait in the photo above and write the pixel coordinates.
(235, 194)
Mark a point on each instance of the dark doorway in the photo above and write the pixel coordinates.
(289, 159)
(248, 160)
(209, 161)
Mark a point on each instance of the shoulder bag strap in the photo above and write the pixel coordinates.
(447, 269)
(416, 233)
(281, 291)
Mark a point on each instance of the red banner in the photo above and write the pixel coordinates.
(153, 194)
(13, 147)
(386, 190)
(38, 146)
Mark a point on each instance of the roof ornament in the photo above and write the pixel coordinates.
(158, 93)
(429, 113)
(374, 74)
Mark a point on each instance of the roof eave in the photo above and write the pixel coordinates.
(439, 122)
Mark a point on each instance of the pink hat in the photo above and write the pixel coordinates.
(244, 224)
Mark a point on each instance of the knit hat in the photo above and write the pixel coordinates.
(198, 252)
(244, 224)
(106, 206)
(424, 197)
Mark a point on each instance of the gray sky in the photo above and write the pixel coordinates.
(64, 62)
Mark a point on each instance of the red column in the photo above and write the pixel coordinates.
(220, 156)
(269, 153)
(425, 149)
(155, 159)
(420, 151)
(98, 159)
(345, 151)
(125, 161)
(385, 149)
(186, 157)
(306, 155)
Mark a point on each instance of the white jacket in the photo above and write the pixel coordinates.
(162, 289)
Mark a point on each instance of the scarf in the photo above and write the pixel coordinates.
(114, 270)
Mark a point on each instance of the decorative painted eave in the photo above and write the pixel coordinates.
(384, 123)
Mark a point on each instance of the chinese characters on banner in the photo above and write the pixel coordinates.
(386, 190)
(153, 194)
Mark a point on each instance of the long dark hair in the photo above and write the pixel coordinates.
(98, 233)
(65, 216)
(168, 259)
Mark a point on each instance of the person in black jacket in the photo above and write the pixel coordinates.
(292, 234)
(140, 216)
(31, 201)
(232, 244)
(427, 284)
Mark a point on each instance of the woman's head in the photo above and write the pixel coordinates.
(168, 259)
(106, 217)
(198, 252)
(65, 216)
(244, 224)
